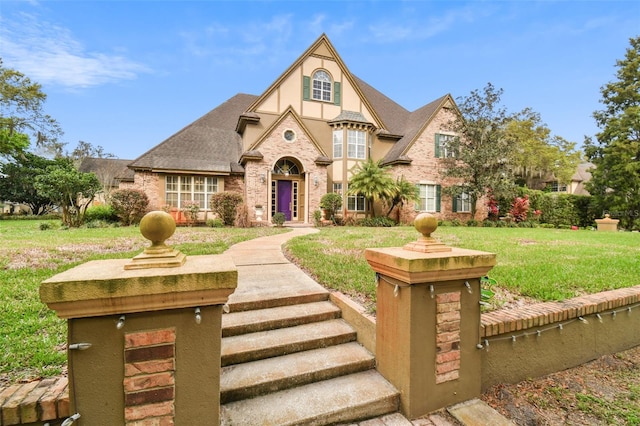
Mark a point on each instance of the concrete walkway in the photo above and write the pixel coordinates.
(263, 269)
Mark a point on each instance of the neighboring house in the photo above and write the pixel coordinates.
(300, 139)
(111, 172)
(578, 181)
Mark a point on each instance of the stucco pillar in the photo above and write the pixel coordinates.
(607, 224)
(428, 320)
(144, 335)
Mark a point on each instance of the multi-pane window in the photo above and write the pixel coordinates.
(338, 136)
(180, 190)
(462, 203)
(444, 146)
(337, 187)
(356, 203)
(356, 144)
(429, 198)
(558, 187)
(321, 89)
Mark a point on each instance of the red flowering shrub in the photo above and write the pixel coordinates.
(520, 208)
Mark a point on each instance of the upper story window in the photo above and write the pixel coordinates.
(321, 86)
(356, 144)
(443, 148)
(558, 187)
(338, 136)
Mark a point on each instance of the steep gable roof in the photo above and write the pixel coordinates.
(289, 112)
(416, 122)
(392, 115)
(206, 145)
(322, 47)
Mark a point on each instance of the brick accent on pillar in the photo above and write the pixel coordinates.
(447, 337)
(149, 383)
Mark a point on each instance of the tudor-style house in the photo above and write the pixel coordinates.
(301, 138)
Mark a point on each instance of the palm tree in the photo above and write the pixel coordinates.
(373, 182)
(405, 191)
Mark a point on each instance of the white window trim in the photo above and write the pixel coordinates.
(356, 144)
(322, 89)
(179, 192)
(423, 204)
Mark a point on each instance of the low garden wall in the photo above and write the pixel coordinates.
(542, 338)
(539, 339)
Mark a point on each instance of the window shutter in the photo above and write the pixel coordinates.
(455, 204)
(437, 146)
(438, 194)
(336, 93)
(306, 87)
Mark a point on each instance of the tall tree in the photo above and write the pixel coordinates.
(17, 183)
(22, 117)
(539, 155)
(69, 188)
(373, 182)
(482, 154)
(615, 181)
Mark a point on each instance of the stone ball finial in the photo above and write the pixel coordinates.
(426, 224)
(157, 227)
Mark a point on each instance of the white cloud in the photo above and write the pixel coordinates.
(49, 54)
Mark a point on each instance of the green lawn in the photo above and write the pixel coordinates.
(544, 264)
(32, 338)
(541, 263)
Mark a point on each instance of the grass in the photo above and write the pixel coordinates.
(544, 264)
(32, 338)
(540, 263)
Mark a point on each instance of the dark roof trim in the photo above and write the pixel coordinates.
(246, 118)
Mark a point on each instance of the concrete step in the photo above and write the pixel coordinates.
(256, 378)
(268, 286)
(272, 343)
(343, 399)
(244, 322)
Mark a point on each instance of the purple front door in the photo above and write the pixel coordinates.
(284, 198)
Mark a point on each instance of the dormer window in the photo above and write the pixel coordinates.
(321, 86)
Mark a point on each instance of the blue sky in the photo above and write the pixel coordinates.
(126, 75)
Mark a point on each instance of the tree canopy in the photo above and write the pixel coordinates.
(22, 117)
(538, 155)
(17, 183)
(483, 154)
(615, 181)
(72, 190)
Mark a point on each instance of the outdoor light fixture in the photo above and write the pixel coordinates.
(315, 180)
(263, 178)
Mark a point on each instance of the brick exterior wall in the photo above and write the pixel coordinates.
(426, 167)
(149, 382)
(151, 184)
(304, 151)
(447, 337)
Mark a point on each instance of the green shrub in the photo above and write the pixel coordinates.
(331, 202)
(501, 224)
(97, 224)
(489, 223)
(130, 205)
(102, 212)
(317, 218)
(472, 223)
(45, 226)
(377, 222)
(278, 219)
(215, 223)
(456, 222)
(225, 205)
(444, 223)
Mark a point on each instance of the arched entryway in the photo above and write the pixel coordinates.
(287, 189)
